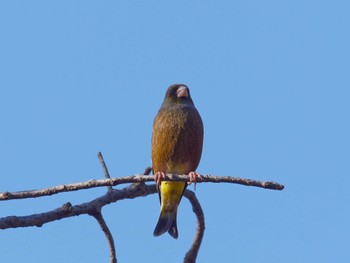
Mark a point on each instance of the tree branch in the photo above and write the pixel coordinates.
(104, 168)
(94, 207)
(137, 188)
(112, 254)
(135, 179)
(99, 217)
(68, 210)
(191, 255)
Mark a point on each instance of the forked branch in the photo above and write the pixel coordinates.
(136, 189)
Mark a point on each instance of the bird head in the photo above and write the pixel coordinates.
(177, 94)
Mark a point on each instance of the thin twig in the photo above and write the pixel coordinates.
(135, 179)
(191, 255)
(104, 168)
(148, 170)
(112, 254)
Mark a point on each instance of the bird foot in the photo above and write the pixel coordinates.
(193, 178)
(158, 177)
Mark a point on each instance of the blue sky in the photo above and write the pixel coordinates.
(270, 79)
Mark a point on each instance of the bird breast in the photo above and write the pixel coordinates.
(177, 140)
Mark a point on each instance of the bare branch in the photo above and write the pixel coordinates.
(243, 181)
(191, 255)
(137, 188)
(135, 179)
(94, 207)
(112, 254)
(147, 171)
(37, 219)
(68, 210)
(104, 168)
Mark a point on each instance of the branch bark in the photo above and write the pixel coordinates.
(138, 178)
(101, 221)
(94, 207)
(191, 255)
(69, 210)
(137, 188)
(104, 168)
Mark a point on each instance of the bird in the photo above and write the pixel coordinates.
(177, 142)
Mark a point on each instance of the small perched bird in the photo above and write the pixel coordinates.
(177, 142)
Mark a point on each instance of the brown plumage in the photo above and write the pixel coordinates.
(177, 142)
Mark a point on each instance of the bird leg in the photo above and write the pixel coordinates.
(193, 178)
(158, 177)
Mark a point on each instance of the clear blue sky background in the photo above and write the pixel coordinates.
(270, 79)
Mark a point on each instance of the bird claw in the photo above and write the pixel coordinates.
(193, 178)
(158, 177)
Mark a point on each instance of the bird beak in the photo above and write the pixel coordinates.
(182, 92)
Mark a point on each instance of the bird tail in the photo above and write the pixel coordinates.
(166, 222)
